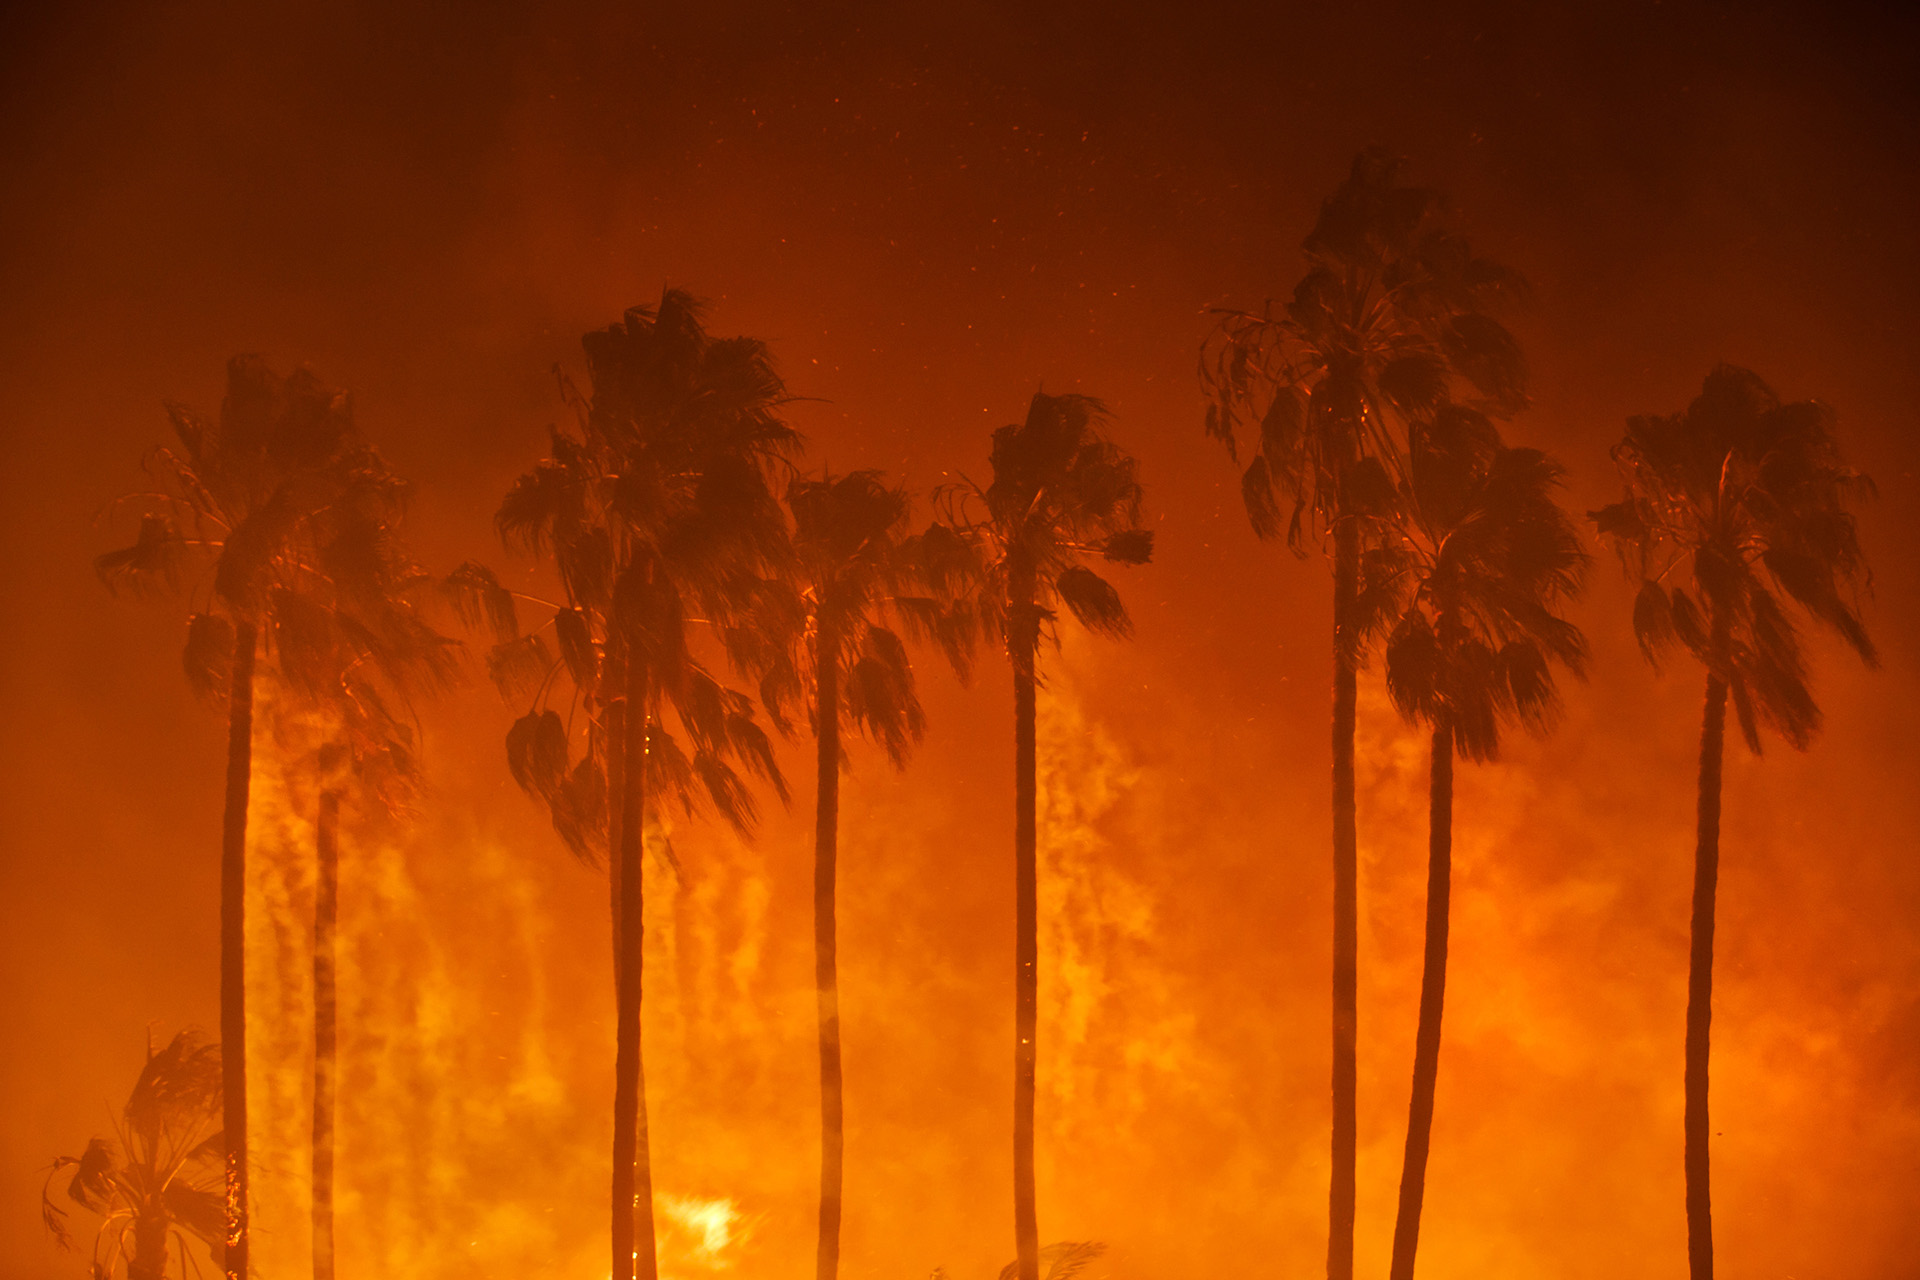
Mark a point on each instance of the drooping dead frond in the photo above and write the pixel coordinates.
(1094, 601)
(152, 563)
(520, 666)
(208, 655)
(479, 600)
(537, 752)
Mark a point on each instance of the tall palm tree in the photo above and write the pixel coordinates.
(365, 652)
(658, 509)
(259, 495)
(1390, 320)
(158, 1180)
(1466, 594)
(1061, 493)
(859, 578)
(1734, 508)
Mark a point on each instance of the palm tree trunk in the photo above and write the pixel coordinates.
(633, 1243)
(616, 801)
(150, 1253)
(1346, 906)
(233, 945)
(1023, 642)
(825, 961)
(1706, 879)
(326, 897)
(1433, 990)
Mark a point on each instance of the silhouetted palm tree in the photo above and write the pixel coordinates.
(1466, 594)
(658, 510)
(832, 645)
(1061, 493)
(272, 495)
(1389, 321)
(1730, 506)
(366, 653)
(159, 1179)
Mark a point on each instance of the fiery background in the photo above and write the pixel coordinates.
(929, 215)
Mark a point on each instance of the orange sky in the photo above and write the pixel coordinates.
(928, 217)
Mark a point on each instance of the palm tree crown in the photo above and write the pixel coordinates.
(658, 511)
(159, 1179)
(1392, 316)
(1467, 592)
(1061, 493)
(855, 569)
(296, 514)
(1730, 506)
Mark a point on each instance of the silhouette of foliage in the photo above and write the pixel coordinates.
(1734, 509)
(1392, 320)
(159, 1179)
(1466, 594)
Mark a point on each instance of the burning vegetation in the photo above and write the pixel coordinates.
(630, 884)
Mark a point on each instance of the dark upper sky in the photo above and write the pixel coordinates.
(928, 214)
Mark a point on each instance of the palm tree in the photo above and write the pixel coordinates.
(1732, 509)
(1390, 319)
(855, 569)
(1061, 492)
(264, 494)
(366, 652)
(658, 510)
(159, 1179)
(1467, 596)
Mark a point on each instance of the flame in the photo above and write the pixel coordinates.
(698, 1234)
(1182, 1068)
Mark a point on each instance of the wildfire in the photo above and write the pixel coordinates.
(700, 1233)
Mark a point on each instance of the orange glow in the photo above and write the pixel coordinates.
(929, 212)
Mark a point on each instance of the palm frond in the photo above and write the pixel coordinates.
(151, 563)
(880, 697)
(537, 753)
(208, 655)
(1094, 601)
(479, 600)
(519, 667)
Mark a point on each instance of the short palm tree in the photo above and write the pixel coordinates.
(158, 1181)
(1390, 320)
(659, 510)
(859, 579)
(1735, 510)
(1467, 594)
(270, 496)
(1061, 493)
